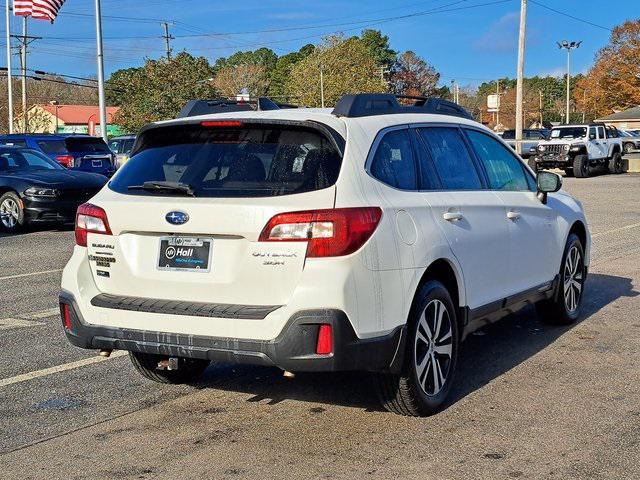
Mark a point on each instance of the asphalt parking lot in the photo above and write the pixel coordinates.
(532, 401)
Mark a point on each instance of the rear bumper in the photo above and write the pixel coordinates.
(293, 349)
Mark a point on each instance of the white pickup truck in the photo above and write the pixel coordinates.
(578, 148)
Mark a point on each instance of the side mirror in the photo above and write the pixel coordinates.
(547, 182)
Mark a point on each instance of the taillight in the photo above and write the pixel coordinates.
(66, 160)
(66, 317)
(325, 340)
(329, 233)
(90, 219)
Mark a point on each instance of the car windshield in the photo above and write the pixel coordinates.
(86, 144)
(229, 161)
(11, 160)
(569, 132)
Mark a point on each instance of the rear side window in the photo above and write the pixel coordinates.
(451, 158)
(86, 145)
(15, 143)
(244, 161)
(393, 162)
(52, 147)
(504, 170)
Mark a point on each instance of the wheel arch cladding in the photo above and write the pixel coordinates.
(443, 271)
(579, 229)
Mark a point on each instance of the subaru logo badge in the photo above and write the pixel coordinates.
(177, 218)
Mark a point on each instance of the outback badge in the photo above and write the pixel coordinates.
(177, 218)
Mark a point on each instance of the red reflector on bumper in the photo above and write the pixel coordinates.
(325, 340)
(66, 316)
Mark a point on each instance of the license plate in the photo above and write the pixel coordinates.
(96, 163)
(185, 253)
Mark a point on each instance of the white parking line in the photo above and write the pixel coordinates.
(58, 368)
(50, 312)
(9, 323)
(615, 230)
(32, 274)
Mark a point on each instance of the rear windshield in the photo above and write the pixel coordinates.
(83, 145)
(52, 147)
(246, 161)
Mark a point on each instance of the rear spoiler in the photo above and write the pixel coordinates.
(207, 107)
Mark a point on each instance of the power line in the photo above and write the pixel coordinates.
(571, 16)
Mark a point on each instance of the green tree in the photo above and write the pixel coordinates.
(159, 89)
(347, 67)
(282, 70)
(378, 45)
(262, 56)
(115, 85)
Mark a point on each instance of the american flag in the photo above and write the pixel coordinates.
(40, 9)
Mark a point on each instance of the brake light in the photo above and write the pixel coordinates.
(66, 317)
(66, 160)
(221, 123)
(329, 233)
(325, 340)
(90, 219)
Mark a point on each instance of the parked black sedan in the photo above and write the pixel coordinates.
(35, 189)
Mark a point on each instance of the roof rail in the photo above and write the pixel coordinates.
(370, 104)
(204, 107)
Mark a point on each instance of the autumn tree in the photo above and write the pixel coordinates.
(347, 67)
(245, 78)
(613, 83)
(282, 69)
(159, 89)
(413, 76)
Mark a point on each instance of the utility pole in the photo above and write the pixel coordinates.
(568, 46)
(520, 80)
(167, 38)
(540, 94)
(498, 106)
(321, 86)
(100, 65)
(9, 74)
(25, 40)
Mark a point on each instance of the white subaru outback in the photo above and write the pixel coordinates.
(373, 237)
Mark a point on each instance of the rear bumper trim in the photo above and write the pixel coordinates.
(193, 309)
(293, 350)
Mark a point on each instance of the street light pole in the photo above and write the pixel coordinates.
(520, 81)
(568, 46)
(100, 61)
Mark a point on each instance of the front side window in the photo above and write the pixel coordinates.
(393, 162)
(451, 158)
(230, 161)
(504, 170)
(52, 147)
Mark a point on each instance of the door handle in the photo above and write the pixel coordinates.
(511, 215)
(452, 216)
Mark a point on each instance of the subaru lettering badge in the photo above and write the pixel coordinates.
(177, 218)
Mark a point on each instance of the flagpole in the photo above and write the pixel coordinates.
(9, 77)
(99, 58)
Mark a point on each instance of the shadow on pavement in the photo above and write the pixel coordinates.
(485, 356)
(37, 228)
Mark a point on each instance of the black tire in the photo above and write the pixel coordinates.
(615, 163)
(189, 369)
(11, 213)
(581, 166)
(408, 393)
(557, 309)
(568, 172)
(533, 165)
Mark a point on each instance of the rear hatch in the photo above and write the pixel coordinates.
(187, 210)
(91, 154)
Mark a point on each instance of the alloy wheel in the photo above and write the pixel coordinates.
(573, 279)
(9, 213)
(433, 347)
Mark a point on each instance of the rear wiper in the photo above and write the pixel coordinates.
(153, 186)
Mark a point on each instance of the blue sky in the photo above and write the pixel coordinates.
(470, 44)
